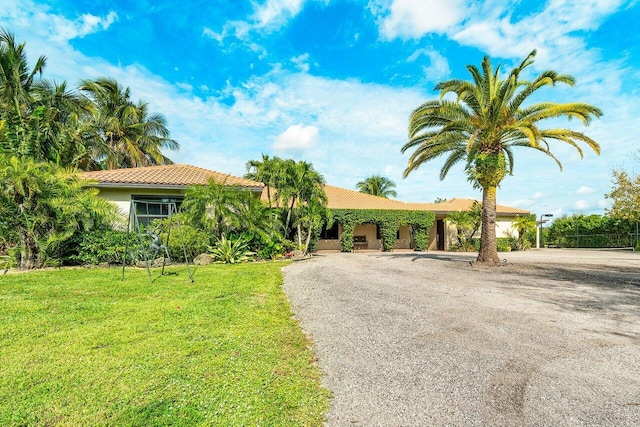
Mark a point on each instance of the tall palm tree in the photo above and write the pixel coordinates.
(269, 171)
(378, 186)
(56, 122)
(302, 185)
(125, 133)
(483, 126)
(16, 92)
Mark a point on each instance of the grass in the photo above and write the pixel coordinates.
(81, 347)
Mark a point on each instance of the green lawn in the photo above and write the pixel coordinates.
(81, 347)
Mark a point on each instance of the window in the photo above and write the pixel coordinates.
(329, 233)
(149, 208)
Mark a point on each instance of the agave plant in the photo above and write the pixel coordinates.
(231, 251)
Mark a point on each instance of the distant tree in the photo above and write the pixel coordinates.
(377, 185)
(439, 200)
(483, 125)
(625, 196)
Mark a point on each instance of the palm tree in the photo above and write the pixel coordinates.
(44, 205)
(269, 171)
(524, 224)
(378, 186)
(16, 92)
(125, 133)
(57, 123)
(302, 184)
(483, 126)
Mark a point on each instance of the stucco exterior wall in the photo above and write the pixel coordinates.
(404, 242)
(369, 231)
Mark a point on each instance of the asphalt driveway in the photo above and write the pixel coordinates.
(407, 339)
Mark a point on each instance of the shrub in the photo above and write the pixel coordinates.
(195, 241)
(231, 251)
(98, 246)
(504, 244)
(464, 246)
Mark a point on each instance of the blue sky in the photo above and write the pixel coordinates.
(334, 81)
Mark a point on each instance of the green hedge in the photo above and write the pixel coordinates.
(389, 222)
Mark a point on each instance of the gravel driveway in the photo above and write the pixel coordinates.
(412, 339)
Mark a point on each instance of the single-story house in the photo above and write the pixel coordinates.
(440, 236)
(156, 185)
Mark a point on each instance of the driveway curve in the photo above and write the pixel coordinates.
(407, 339)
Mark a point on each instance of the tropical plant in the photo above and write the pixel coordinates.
(313, 215)
(463, 221)
(484, 125)
(124, 134)
(524, 224)
(45, 206)
(377, 185)
(220, 210)
(231, 250)
(271, 172)
(303, 185)
(625, 196)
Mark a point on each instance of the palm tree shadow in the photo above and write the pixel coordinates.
(595, 290)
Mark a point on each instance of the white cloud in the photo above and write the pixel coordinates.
(302, 62)
(438, 67)
(582, 204)
(537, 195)
(585, 190)
(297, 137)
(267, 17)
(552, 31)
(276, 12)
(412, 19)
(56, 28)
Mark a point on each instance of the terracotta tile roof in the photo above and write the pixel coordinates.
(455, 205)
(341, 198)
(170, 176)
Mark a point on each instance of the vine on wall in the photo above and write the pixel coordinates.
(389, 222)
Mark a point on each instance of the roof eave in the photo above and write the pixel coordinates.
(127, 185)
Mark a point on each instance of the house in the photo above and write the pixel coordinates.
(156, 185)
(441, 234)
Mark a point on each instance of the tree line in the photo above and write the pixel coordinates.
(94, 126)
(50, 130)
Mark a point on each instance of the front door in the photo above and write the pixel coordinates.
(440, 234)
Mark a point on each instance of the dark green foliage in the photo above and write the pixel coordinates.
(389, 221)
(504, 244)
(591, 231)
(99, 246)
(195, 241)
(232, 250)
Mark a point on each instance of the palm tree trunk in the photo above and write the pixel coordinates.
(488, 244)
(306, 244)
(286, 225)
